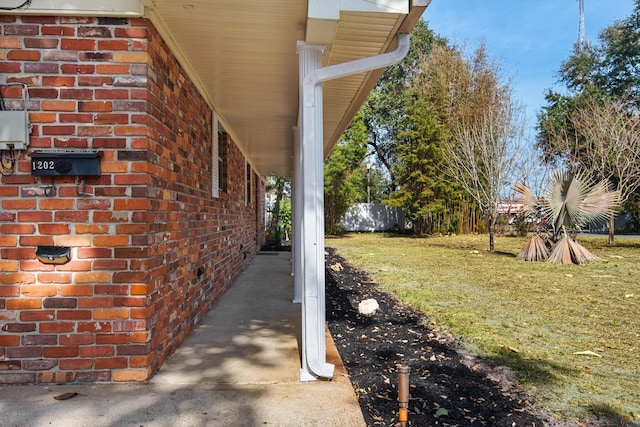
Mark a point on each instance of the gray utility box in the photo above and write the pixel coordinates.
(66, 163)
(14, 130)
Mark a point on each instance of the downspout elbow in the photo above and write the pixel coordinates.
(344, 69)
(315, 357)
(320, 369)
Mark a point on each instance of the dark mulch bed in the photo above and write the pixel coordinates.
(442, 375)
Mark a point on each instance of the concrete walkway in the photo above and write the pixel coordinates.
(239, 368)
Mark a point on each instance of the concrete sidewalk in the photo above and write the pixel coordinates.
(239, 368)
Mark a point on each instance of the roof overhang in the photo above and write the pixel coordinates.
(241, 54)
(120, 8)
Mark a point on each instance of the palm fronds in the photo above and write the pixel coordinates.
(573, 200)
(535, 249)
(527, 198)
(568, 251)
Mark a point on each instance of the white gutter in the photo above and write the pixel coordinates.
(312, 74)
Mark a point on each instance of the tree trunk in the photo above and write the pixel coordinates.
(612, 228)
(492, 229)
(385, 162)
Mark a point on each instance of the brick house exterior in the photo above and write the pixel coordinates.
(152, 244)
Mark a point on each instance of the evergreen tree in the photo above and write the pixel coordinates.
(384, 109)
(423, 192)
(343, 174)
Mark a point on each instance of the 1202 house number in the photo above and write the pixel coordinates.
(43, 165)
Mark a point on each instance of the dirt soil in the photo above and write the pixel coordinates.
(448, 386)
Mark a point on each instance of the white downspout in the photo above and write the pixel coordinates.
(296, 248)
(332, 72)
(312, 75)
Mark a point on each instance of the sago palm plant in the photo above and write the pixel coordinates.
(569, 203)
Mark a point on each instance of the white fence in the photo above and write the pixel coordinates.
(373, 217)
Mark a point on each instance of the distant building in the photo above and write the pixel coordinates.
(510, 208)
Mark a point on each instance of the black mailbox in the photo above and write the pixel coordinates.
(66, 163)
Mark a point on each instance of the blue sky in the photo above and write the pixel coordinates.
(529, 38)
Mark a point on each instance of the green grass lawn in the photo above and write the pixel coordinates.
(533, 317)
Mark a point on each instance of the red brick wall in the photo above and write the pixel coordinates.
(141, 231)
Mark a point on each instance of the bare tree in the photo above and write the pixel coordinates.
(482, 125)
(611, 149)
(483, 154)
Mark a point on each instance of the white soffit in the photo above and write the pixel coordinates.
(241, 55)
(121, 8)
(323, 15)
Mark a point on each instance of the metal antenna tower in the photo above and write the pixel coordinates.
(582, 41)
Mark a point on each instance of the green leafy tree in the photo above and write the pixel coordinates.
(607, 70)
(343, 174)
(278, 191)
(415, 112)
(612, 65)
(405, 135)
(374, 185)
(619, 59)
(384, 109)
(589, 126)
